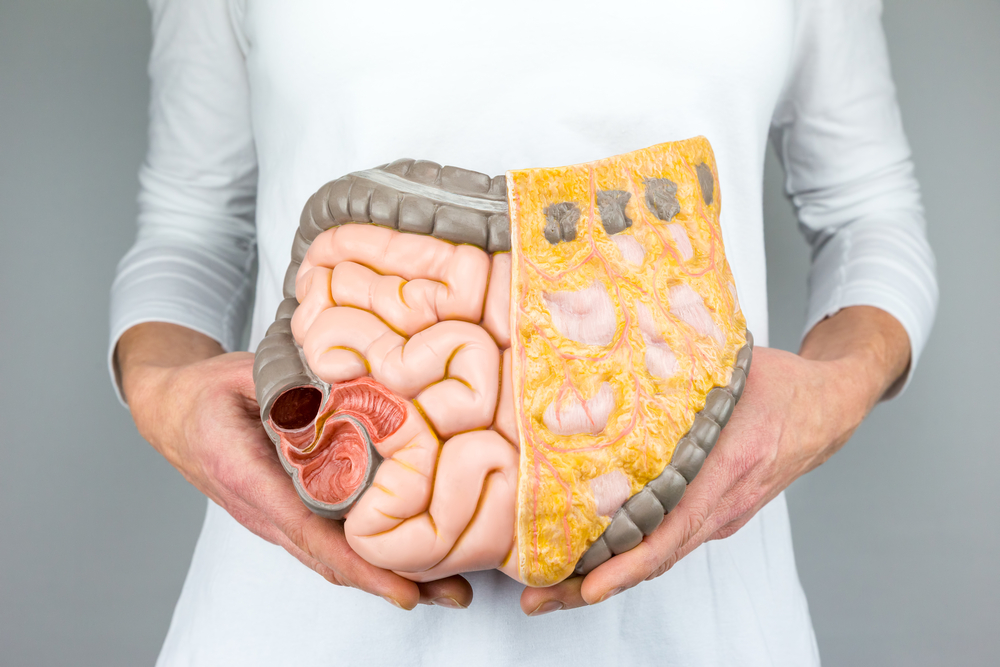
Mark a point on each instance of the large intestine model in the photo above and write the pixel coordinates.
(519, 372)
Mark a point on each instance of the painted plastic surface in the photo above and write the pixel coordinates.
(519, 373)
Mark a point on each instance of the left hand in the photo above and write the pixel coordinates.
(796, 412)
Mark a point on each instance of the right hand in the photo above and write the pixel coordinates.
(197, 407)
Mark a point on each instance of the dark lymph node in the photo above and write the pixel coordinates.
(560, 222)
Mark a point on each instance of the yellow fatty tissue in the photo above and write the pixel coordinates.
(557, 514)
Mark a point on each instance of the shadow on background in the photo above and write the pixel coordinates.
(897, 536)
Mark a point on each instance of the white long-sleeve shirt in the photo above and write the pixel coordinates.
(256, 103)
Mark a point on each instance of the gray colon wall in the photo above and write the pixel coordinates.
(897, 536)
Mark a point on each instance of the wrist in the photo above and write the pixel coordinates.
(152, 358)
(866, 348)
(146, 352)
(153, 400)
(851, 386)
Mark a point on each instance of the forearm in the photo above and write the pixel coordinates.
(869, 346)
(161, 345)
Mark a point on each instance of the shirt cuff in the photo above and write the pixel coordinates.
(883, 263)
(181, 285)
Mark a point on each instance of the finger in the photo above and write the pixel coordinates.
(716, 497)
(324, 540)
(730, 528)
(731, 513)
(240, 375)
(263, 484)
(681, 531)
(628, 569)
(743, 510)
(564, 595)
(327, 573)
(452, 592)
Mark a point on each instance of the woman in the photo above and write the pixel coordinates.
(255, 103)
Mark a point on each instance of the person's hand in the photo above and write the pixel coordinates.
(197, 407)
(795, 413)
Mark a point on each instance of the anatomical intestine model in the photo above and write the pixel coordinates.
(518, 372)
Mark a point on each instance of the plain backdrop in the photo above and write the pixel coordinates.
(897, 537)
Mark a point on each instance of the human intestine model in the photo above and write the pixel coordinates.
(518, 372)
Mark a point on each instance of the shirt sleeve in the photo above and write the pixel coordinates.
(837, 131)
(193, 259)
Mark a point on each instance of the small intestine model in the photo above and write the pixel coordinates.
(518, 372)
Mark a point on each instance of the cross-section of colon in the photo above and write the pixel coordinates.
(495, 410)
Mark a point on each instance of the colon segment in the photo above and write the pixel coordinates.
(507, 404)
(423, 324)
(620, 327)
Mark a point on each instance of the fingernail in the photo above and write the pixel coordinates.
(392, 601)
(450, 603)
(547, 607)
(610, 594)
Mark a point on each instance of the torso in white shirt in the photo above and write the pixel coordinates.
(341, 86)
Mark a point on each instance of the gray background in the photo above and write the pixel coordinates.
(897, 537)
